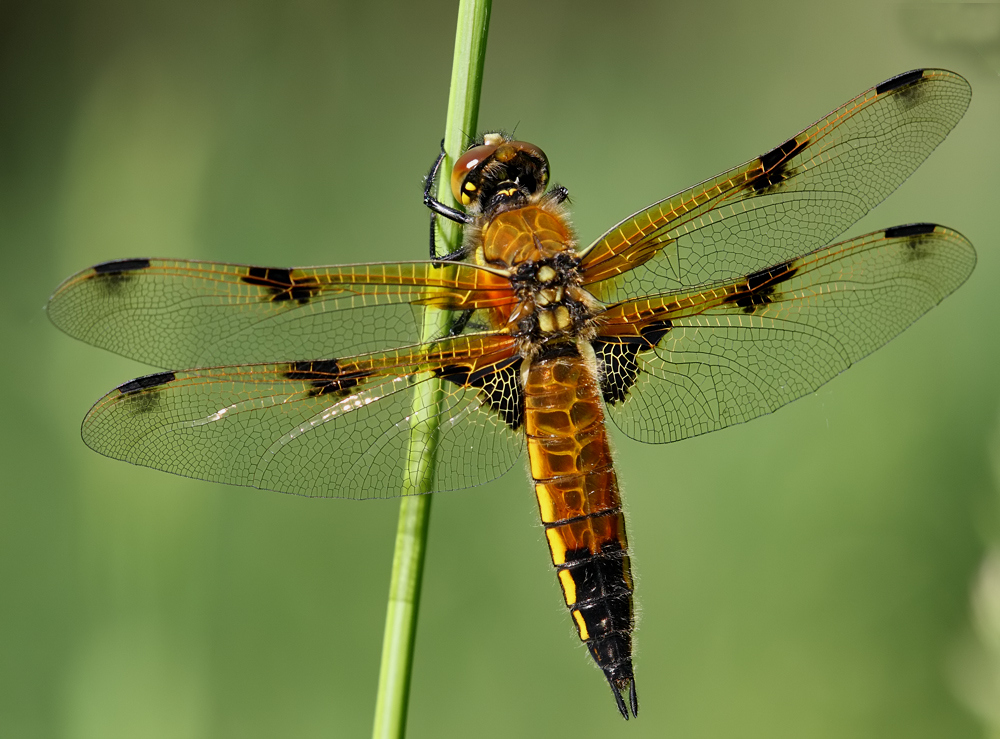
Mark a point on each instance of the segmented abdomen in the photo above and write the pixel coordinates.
(580, 507)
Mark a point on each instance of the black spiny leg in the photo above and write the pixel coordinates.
(557, 194)
(438, 208)
(461, 322)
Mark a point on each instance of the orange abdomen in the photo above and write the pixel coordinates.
(580, 507)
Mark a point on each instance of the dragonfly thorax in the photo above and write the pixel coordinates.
(552, 305)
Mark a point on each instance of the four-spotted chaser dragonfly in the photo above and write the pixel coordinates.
(708, 308)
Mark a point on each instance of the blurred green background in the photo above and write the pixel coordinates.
(806, 575)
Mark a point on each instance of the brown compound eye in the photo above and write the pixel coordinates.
(510, 149)
(463, 187)
(531, 156)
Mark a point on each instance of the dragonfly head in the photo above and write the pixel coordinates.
(499, 174)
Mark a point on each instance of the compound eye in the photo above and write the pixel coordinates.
(528, 153)
(512, 148)
(467, 190)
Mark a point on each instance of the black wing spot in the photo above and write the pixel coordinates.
(618, 359)
(913, 239)
(141, 395)
(619, 368)
(325, 377)
(112, 277)
(653, 332)
(759, 289)
(499, 387)
(117, 266)
(281, 285)
(900, 80)
(777, 166)
(910, 229)
(905, 88)
(144, 383)
(778, 154)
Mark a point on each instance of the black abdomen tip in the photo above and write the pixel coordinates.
(618, 687)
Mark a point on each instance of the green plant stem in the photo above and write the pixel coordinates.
(414, 510)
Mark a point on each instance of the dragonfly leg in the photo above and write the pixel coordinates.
(557, 194)
(438, 208)
(461, 322)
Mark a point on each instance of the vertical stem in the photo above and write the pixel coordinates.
(414, 510)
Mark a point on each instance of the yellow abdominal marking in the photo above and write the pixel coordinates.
(556, 546)
(581, 625)
(568, 586)
(545, 505)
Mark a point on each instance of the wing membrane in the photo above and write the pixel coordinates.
(687, 363)
(322, 428)
(794, 198)
(174, 313)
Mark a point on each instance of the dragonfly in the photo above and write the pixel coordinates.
(708, 308)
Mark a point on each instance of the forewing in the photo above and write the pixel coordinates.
(796, 197)
(323, 428)
(175, 313)
(686, 363)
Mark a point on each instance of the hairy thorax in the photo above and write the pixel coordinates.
(537, 245)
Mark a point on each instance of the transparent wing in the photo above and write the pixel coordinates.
(175, 313)
(796, 197)
(685, 363)
(324, 428)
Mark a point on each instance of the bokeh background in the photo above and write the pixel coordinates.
(806, 575)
